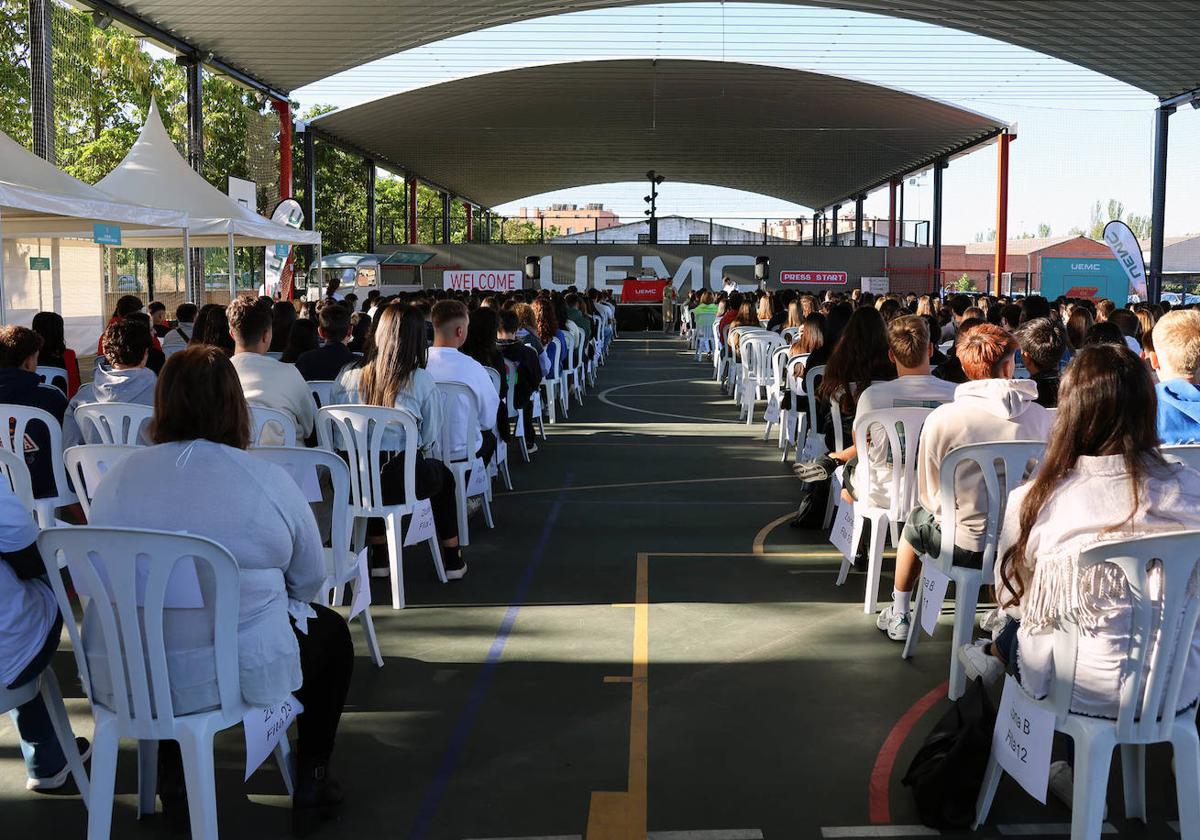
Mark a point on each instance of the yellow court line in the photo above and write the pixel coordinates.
(576, 489)
(760, 538)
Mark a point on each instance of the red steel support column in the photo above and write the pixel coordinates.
(470, 222)
(285, 147)
(412, 209)
(1001, 209)
(892, 214)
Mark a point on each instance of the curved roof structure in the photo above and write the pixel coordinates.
(1149, 44)
(801, 137)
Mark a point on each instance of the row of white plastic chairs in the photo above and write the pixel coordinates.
(1150, 686)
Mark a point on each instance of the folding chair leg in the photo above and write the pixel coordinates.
(460, 500)
(1093, 758)
(57, 710)
(199, 775)
(395, 545)
(914, 628)
(987, 791)
(368, 625)
(835, 493)
(286, 763)
(874, 565)
(103, 781)
(1186, 744)
(435, 549)
(966, 598)
(1133, 780)
(856, 536)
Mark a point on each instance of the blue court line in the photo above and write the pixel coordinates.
(466, 720)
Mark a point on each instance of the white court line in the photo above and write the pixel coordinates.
(714, 834)
(849, 831)
(603, 397)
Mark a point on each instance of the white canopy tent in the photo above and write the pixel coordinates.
(38, 200)
(156, 174)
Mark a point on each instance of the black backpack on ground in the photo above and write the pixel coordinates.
(947, 772)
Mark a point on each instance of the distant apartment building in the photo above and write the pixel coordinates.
(571, 218)
(801, 229)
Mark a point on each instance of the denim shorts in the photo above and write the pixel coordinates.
(924, 534)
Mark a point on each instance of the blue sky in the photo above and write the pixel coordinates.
(1082, 137)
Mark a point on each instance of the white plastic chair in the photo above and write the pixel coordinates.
(1149, 702)
(321, 389)
(573, 371)
(1186, 454)
(902, 428)
(271, 427)
(515, 415)
(718, 351)
(1015, 456)
(46, 685)
(86, 465)
(501, 456)
(341, 562)
(555, 387)
(364, 433)
(756, 364)
(16, 418)
(789, 334)
(51, 376)
(702, 333)
(105, 561)
(114, 422)
(15, 471)
(462, 463)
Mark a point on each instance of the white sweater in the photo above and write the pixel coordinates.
(983, 410)
(1092, 497)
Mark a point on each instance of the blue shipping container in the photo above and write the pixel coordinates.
(1084, 277)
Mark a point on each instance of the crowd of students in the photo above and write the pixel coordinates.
(202, 373)
(1104, 387)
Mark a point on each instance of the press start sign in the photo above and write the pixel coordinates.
(484, 281)
(820, 278)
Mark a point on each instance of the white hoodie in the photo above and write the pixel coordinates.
(983, 410)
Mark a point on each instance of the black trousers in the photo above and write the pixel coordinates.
(326, 662)
(434, 482)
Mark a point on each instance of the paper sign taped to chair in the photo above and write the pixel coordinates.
(814, 446)
(477, 483)
(842, 535)
(264, 729)
(933, 594)
(362, 586)
(420, 525)
(1022, 738)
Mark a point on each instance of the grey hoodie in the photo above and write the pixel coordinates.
(132, 385)
(983, 410)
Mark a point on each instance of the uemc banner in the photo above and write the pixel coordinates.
(484, 281)
(1128, 252)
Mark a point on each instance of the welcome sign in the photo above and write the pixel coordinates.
(485, 281)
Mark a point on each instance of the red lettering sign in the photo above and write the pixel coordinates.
(820, 278)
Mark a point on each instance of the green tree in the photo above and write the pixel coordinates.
(964, 284)
(1043, 231)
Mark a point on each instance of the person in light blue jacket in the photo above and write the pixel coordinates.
(123, 378)
(1176, 357)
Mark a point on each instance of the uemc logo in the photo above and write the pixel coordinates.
(1085, 266)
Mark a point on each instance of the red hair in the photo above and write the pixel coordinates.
(982, 350)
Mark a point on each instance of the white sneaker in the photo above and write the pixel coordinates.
(977, 663)
(1062, 784)
(993, 621)
(896, 626)
(457, 574)
(57, 781)
(474, 505)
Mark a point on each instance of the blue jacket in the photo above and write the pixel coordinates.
(20, 387)
(1178, 412)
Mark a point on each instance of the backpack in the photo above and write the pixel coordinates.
(947, 772)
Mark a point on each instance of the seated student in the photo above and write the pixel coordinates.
(909, 349)
(990, 406)
(178, 336)
(448, 364)
(1102, 478)
(124, 379)
(302, 338)
(19, 385)
(212, 328)
(1043, 344)
(30, 629)
(327, 361)
(158, 318)
(1131, 328)
(394, 376)
(265, 381)
(529, 370)
(577, 317)
(1176, 358)
(55, 352)
(286, 643)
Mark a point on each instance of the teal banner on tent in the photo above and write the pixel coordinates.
(106, 234)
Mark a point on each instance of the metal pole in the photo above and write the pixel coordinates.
(892, 213)
(3, 293)
(542, 222)
(149, 273)
(900, 216)
(232, 270)
(816, 231)
(310, 192)
(837, 208)
(764, 232)
(195, 110)
(938, 167)
(411, 184)
(469, 236)
(41, 78)
(284, 108)
(858, 220)
(1001, 209)
(710, 231)
(371, 243)
(1158, 208)
(445, 218)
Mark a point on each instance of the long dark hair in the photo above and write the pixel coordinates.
(283, 317)
(399, 349)
(836, 321)
(859, 358)
(212, 327)
(481, 339)
(199, 396)
(1106, 406)
(49, 325)
(302, 337)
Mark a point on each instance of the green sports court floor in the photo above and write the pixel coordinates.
(642, 645)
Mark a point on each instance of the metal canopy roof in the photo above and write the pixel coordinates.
(797, 136)
(1149, 44)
